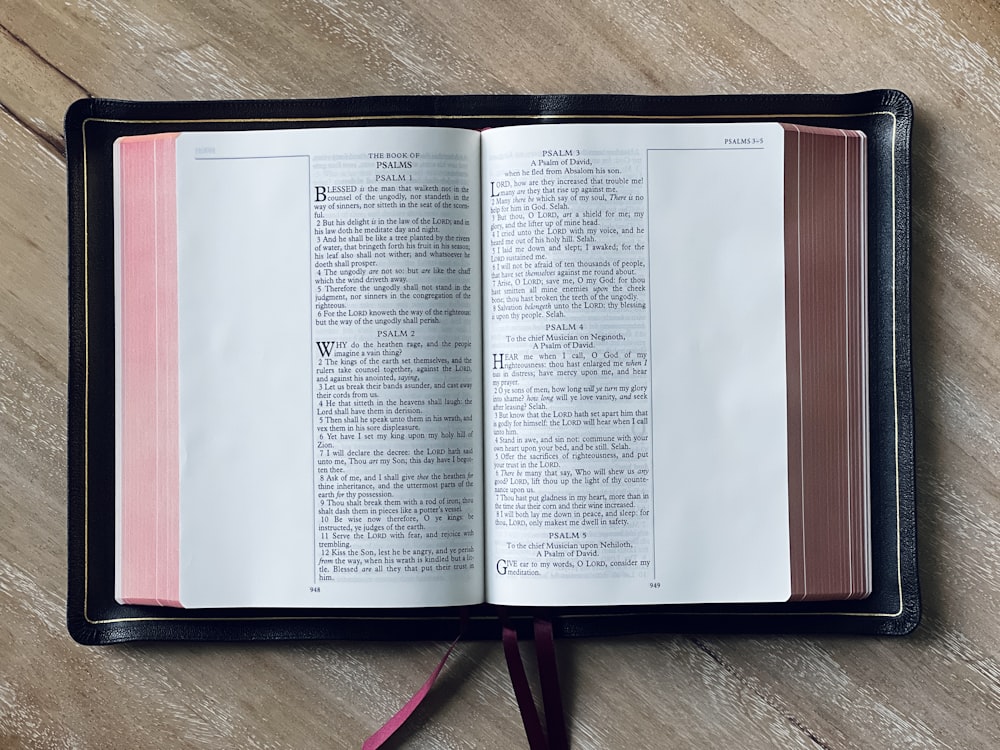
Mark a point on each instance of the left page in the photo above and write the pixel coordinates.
(328, 332)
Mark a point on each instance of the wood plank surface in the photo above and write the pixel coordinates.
(939, 688)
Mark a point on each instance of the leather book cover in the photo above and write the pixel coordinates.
(93, 615)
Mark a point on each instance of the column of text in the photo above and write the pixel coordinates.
(568, 363)
(395, 321)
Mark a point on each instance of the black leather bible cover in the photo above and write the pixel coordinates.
(92, 125)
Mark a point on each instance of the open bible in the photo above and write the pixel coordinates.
(545, 365)
(257, 342)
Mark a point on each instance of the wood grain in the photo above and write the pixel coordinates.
(938, 688)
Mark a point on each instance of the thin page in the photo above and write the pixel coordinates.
(329, 341)
(635, 362)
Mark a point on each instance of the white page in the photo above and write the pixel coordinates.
(689, 502)
(254, 242)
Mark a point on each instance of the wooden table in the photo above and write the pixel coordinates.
(937, 688)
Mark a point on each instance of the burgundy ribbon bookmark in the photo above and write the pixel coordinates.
(548, 673)
(522, 690)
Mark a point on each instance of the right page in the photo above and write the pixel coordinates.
(637, 363)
